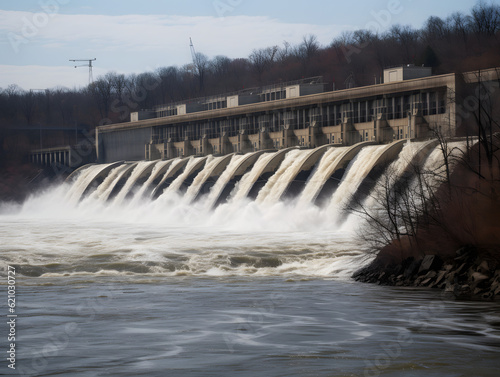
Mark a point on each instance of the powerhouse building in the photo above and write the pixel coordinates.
(301, 113)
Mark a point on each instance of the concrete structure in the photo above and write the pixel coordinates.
(292, 114)
(406, 72)
(64, 157)
(141, 115)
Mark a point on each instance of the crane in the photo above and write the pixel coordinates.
(193, 55)
(91, 79)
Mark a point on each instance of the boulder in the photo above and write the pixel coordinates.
(478, 277)
(412, 269)
(431, 274)
(425, 282)
(497, 291)
(484, 268)
(430, 262)
(440, 277)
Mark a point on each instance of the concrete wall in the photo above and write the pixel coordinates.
(411, 73)
(298, 90)
(406, 73)
(292, 91)
(193, 107)
(122, 145)
(232, 101)
(307, 89)
(142, 115)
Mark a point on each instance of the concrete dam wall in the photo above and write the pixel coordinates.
(327, 176)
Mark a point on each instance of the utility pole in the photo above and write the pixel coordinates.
(89, 64)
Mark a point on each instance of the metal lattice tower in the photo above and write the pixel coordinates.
(91, 78)
(193, 55)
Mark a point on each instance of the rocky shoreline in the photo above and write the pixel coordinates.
(472, 274)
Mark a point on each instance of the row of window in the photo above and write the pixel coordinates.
(326, 115)
(356, 136)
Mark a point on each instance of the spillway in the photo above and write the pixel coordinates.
(262, 177)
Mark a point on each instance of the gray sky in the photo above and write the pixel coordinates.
(38, 37)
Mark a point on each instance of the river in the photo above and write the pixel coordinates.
(171, 287)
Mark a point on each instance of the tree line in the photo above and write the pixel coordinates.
(460, 42)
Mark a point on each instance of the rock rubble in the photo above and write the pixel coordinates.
(472, 274)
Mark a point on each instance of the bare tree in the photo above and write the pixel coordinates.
(309, 46)
(479, 116)
(485, 19)
(220, 66)
(28, 102)
(284, 52)
(458, 24)
(397, 207)
(202, 65)
(101, 91)
(170, 87)
(406, 37)
(118, 84)
(262, 59)
(435, 29)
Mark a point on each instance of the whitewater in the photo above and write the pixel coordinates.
(140, 219)
(225, 266)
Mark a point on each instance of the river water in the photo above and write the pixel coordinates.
(253, 288)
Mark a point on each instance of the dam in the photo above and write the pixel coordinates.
(325, 176)
(283, 143)
(410, 104)
(220, 249)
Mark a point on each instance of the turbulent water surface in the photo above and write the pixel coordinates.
(113, 283)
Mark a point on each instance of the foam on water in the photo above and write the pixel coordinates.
(56, 233)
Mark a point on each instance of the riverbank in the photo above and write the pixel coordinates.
(472, 273)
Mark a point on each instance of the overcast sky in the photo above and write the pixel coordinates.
(39, 37)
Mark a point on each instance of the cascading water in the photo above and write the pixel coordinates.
(398, 167)
(76, 191)
(434, 168)
(223, 180)
(202, 177)
(157, 170)
(188, 170)
(239, 280)
(243, 187)
(358, 169)
(321, 174)
(138, 171)
(174, 235)
(104, 190)
(435, 162)
(279, 181)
